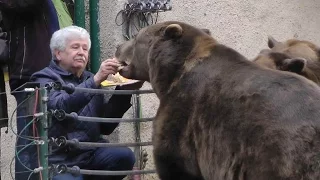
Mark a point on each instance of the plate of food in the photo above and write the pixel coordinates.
(117, 79)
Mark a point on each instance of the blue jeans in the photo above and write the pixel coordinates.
(28, 156)
(113, 159)
(67, 177)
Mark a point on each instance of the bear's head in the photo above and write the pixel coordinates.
(167, 47)
(298, 56)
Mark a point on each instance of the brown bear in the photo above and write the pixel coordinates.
(298, 56)
(221, 116)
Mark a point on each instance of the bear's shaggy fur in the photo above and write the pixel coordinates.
(222, 117)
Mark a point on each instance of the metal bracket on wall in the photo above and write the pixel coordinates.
(148, 5)
(137, 14)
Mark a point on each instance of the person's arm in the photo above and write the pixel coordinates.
(77, 100)
(117, 106)
(20, 5)
(60, 99)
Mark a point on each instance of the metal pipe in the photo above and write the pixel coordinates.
(70, 88)
(79, 13)
(115, 173)
(76, 143)
(43, 132)
(115, 120)
(75, 170)
(105, 91)
(94, 34)
(137, 149)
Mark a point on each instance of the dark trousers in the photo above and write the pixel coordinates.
(112, 159)
(3, 101)
(26, 159)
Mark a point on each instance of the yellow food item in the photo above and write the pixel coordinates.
(115, 80)
(118, 78)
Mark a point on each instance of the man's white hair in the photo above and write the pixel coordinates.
(61, 37)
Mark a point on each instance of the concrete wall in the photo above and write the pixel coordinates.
(241, 24)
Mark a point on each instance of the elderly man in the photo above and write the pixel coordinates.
(70, 47)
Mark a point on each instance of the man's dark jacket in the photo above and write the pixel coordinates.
(84, 104)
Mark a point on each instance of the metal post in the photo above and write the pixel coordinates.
(95, 34)
(137, 149)
(43, 132)
(79, 13)
(137, 114)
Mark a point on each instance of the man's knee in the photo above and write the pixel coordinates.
(119, 158)
(128, 159)
(124, 159)
(67, 177)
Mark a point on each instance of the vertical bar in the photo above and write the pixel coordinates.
(43, 132)
(137, 114)
(94, 34)
(137, 149)
(79, 13)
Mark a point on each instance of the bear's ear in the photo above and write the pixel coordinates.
(294, 65)
(272, 42)
(265, 51)
(318, 54)
(173, 31)
(207, 31)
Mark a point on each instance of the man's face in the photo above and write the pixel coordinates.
(75, 57)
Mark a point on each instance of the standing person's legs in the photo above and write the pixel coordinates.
(26, 159)
(111, 159)
(3, 101)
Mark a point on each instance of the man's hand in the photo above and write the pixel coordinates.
(133, 86)
(107, 67)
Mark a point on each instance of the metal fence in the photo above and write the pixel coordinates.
(42, 120)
